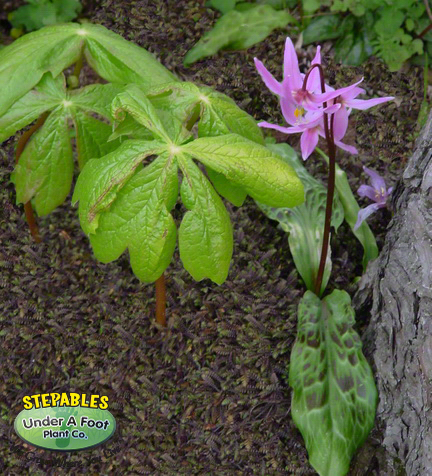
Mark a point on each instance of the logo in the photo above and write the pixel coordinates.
(65, 421)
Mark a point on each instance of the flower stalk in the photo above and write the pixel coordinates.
(329, 135)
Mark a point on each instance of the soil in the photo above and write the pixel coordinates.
(208, 395)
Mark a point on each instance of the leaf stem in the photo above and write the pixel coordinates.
(161, 301)
(28, 209)
(329, 134)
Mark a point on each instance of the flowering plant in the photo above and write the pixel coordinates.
(334, 395)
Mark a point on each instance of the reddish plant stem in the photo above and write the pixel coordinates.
(28, 209)
(329, 134)
(161, 301)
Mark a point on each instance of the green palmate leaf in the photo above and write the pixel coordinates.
(228, 189)
(139, 219)
(205, 234)
(238, 30)
(54, 48)
(91, 137)
(101, 179)
(47, 95)
(24, 62)
(395, 49)
(259, 171)
(161, 123)
(131, 128)
(179, 98)
(95, 98)
(219, 112)
(305, 223)
(45, 169)
(334, 395)
(120, 61)
(351, 209)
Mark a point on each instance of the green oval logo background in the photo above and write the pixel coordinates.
(73, 428)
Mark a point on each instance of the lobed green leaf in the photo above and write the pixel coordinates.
(205, 234)
(101, 179)
(139, 219)
(54, 48)
(45, 169)
(259, 171)
(91, 137)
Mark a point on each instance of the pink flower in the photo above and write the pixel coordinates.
(303, 104)
(310, 126)
(377, 192)
(291, 88)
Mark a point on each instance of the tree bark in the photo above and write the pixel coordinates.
(396, 292)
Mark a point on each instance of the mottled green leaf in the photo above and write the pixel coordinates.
(238, 30)
(101, 179)
(351, 209)
(205, 234)
(259, 171)
(334, 396)
(305, 223)
(139, 219)
(322, 28)
(45, 169)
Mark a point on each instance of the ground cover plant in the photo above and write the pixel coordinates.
(123, 205)
(217, 335)
(334, 395)
(393, 30)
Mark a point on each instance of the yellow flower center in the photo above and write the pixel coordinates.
(299, 111)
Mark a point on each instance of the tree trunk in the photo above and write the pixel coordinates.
(396, 292)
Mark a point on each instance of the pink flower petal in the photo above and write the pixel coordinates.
(365, 213)
(340, 123)
(352, 94)
(308, 142)
(320, 98)
(349, 148)
(285, 130)
(367, 191)
(288, 109)
(377, 181)
(314, 80)
(366, 103)
(291, 67)
(274, 86)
